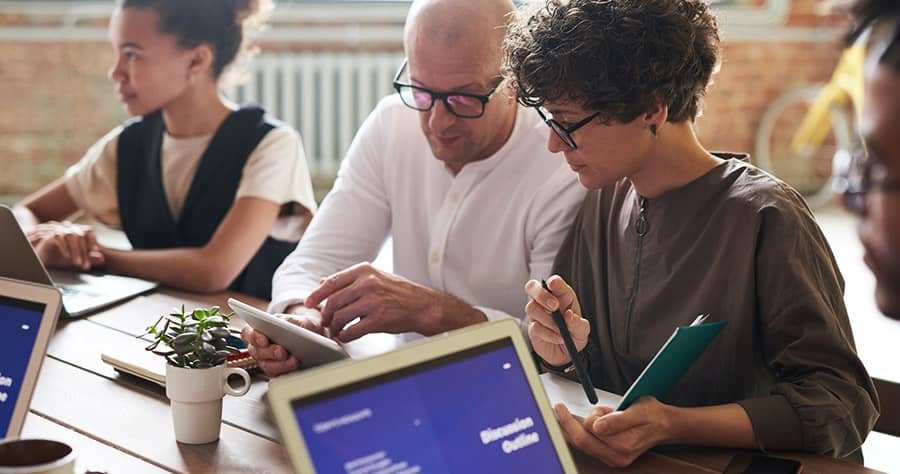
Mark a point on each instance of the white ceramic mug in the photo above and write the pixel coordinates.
(36, 456)
(196, 396)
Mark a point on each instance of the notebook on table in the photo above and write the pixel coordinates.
(467, 401)
(144, 364)
(82, 292)
(28, 315)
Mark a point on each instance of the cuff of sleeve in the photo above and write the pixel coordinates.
(279, 306)
(776, 425)
(493, 314)
(497, 315)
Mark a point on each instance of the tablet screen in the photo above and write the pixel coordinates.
(472, 411)
(20, 322)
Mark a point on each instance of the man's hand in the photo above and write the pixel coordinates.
(542, 330)
(274, 359)
(386, 303)
(66, 245)
(617, 438)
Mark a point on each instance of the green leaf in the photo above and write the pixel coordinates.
(220, 332)
(183, 339)
(222, 353)
(207, 348)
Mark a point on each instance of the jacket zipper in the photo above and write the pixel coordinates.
(640, 228)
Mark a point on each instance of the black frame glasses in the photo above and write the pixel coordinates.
(565, 133)
(855, 175)
(454, 102)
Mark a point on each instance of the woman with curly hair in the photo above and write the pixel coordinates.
(670, 230)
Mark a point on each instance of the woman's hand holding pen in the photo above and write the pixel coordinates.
(545, 337)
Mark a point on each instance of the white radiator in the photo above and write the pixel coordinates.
(326, 96)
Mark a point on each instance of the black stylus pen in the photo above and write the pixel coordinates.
(583, 376)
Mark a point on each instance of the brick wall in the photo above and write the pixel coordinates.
(58, 101)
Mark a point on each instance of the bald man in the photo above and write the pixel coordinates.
(475, 203)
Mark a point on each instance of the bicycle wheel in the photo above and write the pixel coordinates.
(809, 171)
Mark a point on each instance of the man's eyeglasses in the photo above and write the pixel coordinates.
(460, 104)
(855, 174)
(565, 133)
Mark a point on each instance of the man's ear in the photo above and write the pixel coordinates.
(201, 58)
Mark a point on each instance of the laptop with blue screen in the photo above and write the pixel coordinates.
(28, 315)
(468, 401)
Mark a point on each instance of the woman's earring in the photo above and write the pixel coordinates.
(653, 129)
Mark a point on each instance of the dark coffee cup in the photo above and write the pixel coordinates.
(36, 456)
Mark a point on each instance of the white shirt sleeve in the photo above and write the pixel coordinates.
(551, 214)
(277, 171)
(350, 227)
(92, 180)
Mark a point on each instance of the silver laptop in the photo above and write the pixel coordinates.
(468, 401)
(82, 292)
(28, 315)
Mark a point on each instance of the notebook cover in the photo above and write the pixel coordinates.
(671, 362)
(152, 367)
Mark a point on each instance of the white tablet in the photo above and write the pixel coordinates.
(309, 348)
(28, 314)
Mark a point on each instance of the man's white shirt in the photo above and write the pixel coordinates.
(479, 235)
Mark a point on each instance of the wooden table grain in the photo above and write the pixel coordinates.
(119, 423)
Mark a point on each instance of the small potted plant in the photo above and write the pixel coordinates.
(196, 349)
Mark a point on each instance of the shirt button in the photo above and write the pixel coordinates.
(435, 258)
(454, 196)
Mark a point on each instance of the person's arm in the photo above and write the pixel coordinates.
(351, 225)
(57, 244)
(51, 203)
(209, 268)
(551, 217)
(823, 401)
(386, 303)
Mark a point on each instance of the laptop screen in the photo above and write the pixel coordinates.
(472, 411)
(19, 325)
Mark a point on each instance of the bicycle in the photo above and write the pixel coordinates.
(801, 155)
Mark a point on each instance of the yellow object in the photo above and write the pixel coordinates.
(846, 84)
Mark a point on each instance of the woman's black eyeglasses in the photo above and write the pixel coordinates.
(565, 133)
(460, 104)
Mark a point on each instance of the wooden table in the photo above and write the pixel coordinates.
(119, 423)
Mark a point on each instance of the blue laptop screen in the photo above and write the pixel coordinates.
(19, 325)
(472, 411)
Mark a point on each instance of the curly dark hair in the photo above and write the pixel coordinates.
(221, 24)
(618, 57)
(866, 13)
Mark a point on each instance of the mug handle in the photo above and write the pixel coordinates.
(229, 371)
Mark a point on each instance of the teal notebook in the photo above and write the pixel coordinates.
(672, 361)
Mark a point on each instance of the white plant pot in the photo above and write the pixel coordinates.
(196, 400)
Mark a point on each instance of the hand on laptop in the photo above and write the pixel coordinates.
(273, 359)
(545, 337)
(384, 302)
(66, 245)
